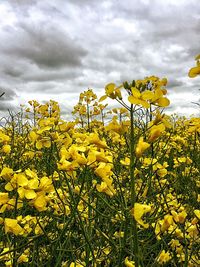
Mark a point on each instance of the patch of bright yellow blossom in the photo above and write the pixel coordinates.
(66, 187)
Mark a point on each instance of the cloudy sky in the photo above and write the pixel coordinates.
(59, 48)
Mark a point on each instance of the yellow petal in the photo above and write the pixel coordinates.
(135, 92)
(164, 81)
(194, 72)
(30, 173)
(144, 103)
(163, 102)
(6, 173)
(9, 187)
(33, 183)
(39, 145)
(21, 192)
(21, 179)
(129, 263)
(40, 203)
(6, 149)
(133, 100)
(3, 198)
(33, 136)
(197, 213)
(157, 94)
(138, 211)
(141, 147)
(110, 88)
(102, 98)
(11, 226)
(30, 194)
(162, 172)
(147, 95)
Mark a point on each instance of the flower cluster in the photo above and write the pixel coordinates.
(109, 188)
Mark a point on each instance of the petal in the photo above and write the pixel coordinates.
(145, 104)
(21, 192)
(194, 72)
(102, 98)
(9, 187)
(30, 194)
(33, 183)
(133, 100)
(110, 88)
(157, 94)
(135, 92)
(163, 102)
(22, 180)
(147, 95)
(40, 203)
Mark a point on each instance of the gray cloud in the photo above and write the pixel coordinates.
(6, 100)
(63, 47)
(47, 47)
(9, 94)
(175, 83)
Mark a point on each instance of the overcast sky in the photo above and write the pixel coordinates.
(59, 48)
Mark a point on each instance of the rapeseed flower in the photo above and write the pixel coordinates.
(163, 257)
(12, 226)
(138, 211)
(141, 147)
(129, 263)
(193, 72)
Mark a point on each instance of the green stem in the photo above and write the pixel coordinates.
(88, 117)
(134, 233)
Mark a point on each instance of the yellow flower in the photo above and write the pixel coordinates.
(12, 226)
(167, 222)
(94, 156)
(27, 193)
(10, 186)
(40, 203)
(193, 72)
(112, 91)
(66, 165)
(141, 147)
(163, 257)
(103, 170)
(7, 173)
(138, 211)
(76, 264)
(43, 142)
(3, 198)
(33, 136)
(156, 131)
(33, 183)
(182, 216)
(30, 174)
(129, 263)
(105, 173)
(21, 179)
(24, 257)
(46, 184)
(104, 187)
(159, 99)
(6, 149)
(93, 138)
(162, 172)
(138, 98)
(197, 213)
(4, 138)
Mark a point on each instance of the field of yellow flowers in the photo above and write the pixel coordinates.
(113, 187)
